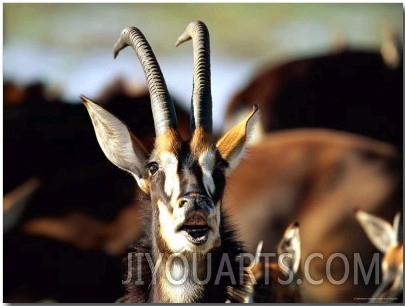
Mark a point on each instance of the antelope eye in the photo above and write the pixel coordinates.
(153, 167)
(222, 165)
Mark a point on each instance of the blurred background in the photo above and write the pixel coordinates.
(69, 215)
(69, 46)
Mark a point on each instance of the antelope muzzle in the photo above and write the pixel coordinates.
(198, 211)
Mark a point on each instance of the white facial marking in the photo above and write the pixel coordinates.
(207, 164)
(176, 240)
(172, 184)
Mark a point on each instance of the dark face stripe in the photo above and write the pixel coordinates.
(188, 177)
(191, 180)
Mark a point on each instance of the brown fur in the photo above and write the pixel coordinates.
(170, 141)
(343, 90)
(235, 139)
(201, 141)
(274, 291)
(316, 177)
(87, 232)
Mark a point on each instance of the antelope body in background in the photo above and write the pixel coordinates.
(183, 183)
(317, 177)
(384, 237)
(311, 173)
(352, 91)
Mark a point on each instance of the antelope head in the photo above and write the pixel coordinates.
(268, 288)
(184, 179)
(384, 237)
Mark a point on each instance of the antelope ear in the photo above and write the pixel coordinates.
(233, 144)
(380, 232)
(257, 265)
(291, 244)
(396, 223)
(119, 145)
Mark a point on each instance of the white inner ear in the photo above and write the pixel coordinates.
(293, 247)
(258, 251)
(115, 140)
(395, 224)
(379, 231)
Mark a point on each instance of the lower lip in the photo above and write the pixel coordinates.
(197, 241)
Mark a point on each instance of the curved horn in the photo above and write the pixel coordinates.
(201, 103)
(163, 111)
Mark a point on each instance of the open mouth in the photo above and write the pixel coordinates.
(195, 227)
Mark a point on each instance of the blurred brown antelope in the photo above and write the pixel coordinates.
(301, 169)
(317, 177)
(186, 231)
(350, 90)
(384, 237)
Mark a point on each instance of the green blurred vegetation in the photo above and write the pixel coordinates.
(240, 28)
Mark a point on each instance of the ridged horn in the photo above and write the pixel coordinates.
(201, 103)
(164, 115)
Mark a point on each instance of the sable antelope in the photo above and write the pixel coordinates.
(65, 156)
(183, 183)
(278, 282)
(317, 177)
(342, 90)
(384, 237)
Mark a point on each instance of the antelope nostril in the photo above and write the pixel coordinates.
(183, 202)
(202, 202)
(196, 201)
